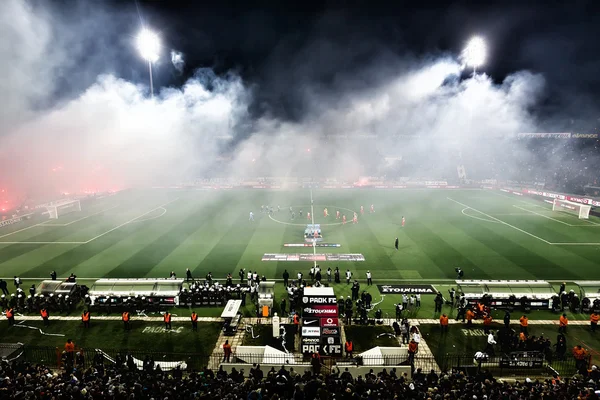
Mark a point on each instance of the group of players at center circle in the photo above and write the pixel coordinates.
(269, 210)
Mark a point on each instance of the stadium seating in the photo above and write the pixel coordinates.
(24, 380)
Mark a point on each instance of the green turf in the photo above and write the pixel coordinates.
(148, 233)
(108, 335)
(365, 337)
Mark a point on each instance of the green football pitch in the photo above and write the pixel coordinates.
(148, 233)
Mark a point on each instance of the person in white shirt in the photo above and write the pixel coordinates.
(416, 337)
(369, 278)
(348, 276)
(249, 276)
(490, 344)
(418, 297)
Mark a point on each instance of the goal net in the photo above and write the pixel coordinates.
(65, 207)
(581, 210)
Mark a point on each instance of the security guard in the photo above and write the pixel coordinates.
(194, 318)
(296, 320)
(126, 319)
(85, 318)
(167, 319)
(10, 315)
(45, 316)
(487, 322)
(444, 322)
(524, 321)
(349, 346)
(563, 321)
(594, 321)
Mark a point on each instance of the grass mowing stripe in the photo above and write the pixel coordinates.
(55, 234)
(442, 254)
(196, 246)
(228, 251)
(144, 260)
(68, 260)
(498, 248)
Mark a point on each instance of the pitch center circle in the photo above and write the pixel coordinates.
(321, 206)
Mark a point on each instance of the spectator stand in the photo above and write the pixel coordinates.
(508, 294)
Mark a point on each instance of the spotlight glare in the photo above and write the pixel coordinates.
(148, 45)
(474, 53)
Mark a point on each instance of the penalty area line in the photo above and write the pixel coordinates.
(130, 221)
(81, 219)
(500, 221)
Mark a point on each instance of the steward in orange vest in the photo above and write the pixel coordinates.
(487, 321)
(470, 316)
(444, 322)
(45, 316)
(594, 321)
(125, 317)
(349, 346)
(563, 321)
(10, 315)
(85, 318)
(413, 348)
(296, 323)
(167, 319)
(194, 318)
(70, 347)
(524, 322)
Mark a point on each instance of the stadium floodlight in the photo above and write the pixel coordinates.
(474, 54)
(148, 45)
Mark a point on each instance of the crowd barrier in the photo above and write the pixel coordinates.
(498, 366)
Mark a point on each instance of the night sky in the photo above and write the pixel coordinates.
(278, 47)
(281, 45)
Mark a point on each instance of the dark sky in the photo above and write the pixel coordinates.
(276, 44)
(280, 46)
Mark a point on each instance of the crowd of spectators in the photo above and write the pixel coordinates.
(20, 380)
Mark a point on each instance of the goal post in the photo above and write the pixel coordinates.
(581, 210)
(62, 208)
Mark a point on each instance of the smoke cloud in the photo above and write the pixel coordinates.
(419, 118)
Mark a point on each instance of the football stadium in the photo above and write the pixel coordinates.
(191, 232)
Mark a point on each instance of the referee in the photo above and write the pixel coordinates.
(396, 243)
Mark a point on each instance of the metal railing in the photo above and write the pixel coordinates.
(499, 366)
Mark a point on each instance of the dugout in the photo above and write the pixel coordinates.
(162, 292)
(508, 294)
(56, 287)
(589, 292)
(589, 289)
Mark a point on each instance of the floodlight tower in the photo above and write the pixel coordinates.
(148, 45)
(474, 54)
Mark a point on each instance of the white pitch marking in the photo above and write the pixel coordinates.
(81, 219)
(21, 230)
(499, 220)
(130, 221)
(545, 216)
(151, 218)
(481, 219)
(26, 242)
(575, 244)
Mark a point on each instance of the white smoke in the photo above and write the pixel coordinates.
(113, 135)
